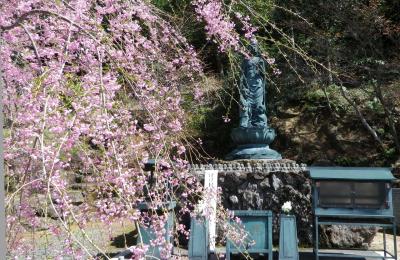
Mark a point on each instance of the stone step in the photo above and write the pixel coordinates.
(76, 196)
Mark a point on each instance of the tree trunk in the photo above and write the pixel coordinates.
(362, 118)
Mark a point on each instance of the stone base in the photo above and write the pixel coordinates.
(253, 151)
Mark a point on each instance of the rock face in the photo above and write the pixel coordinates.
(344, 236)
(270, 190)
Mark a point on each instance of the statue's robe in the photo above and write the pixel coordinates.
(252, 93)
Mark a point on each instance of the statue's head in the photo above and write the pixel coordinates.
(253, 48)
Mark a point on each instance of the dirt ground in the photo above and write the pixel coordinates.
(112, 239)
(377, 243)
(124, 233)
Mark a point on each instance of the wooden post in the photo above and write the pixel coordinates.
(211, 185)
(198, 241)
(288, 244)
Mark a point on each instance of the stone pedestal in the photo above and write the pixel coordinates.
(253, 143)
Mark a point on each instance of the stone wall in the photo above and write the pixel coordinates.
(268, 191)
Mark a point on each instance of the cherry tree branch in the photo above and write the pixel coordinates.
(26, 16)
(35, 49)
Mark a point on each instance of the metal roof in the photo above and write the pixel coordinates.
(351, 173)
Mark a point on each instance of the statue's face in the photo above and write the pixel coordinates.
(252, 72)
(254, 50)
(252, 68)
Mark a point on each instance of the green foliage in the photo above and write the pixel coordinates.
(77, 91)
(375, 105)
(319, 46)
(198, 119)
(330, 96)
(344, 161)
(390, 153)
(162, 4)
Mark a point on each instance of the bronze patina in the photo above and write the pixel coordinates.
(253, 135)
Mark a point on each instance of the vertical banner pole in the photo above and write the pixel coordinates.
(211, 186)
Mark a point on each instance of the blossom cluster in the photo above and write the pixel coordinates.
(95, 87)
(248, 29)
(218, 26)
(92, 87)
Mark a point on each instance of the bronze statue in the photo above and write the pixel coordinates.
(253, 135)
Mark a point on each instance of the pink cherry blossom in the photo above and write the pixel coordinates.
(97, 88)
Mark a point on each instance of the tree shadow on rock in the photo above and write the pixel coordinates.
(125, 240)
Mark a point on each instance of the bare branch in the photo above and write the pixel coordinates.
(25, 16)
(35, 49)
